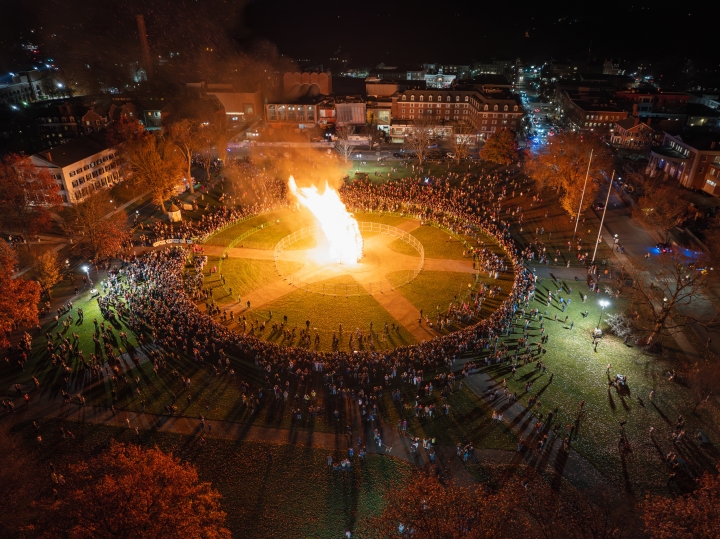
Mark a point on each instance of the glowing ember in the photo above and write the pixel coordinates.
(337, 225)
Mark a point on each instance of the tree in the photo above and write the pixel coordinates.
(665, 206)
(620, 325)
(21, 479)
(124, 130)
(19, 299)
(669, 296)
(689, 516)
(27, 196)
(184, 135)
(46, 270)
(419, 138)
(704, 380)
(500, 147)
(136, 493)
(462, 140)
(427, 509)
(563, 164)
(569, 513)
(155, 164)
(374, 135)
(101, 237)
(343, 146)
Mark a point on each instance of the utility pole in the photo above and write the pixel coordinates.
(577, 218)
(607, 200)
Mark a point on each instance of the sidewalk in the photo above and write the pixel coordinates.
(687, 348)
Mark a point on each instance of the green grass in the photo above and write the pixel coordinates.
(296, 496)
(434, 291)
(470, 419)
(580, 375)
(326, 313)
(386, 219)
(225, 237)
(437, 244)
(243, 275)
(39, 366)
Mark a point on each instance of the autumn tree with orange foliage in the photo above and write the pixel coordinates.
(135, 493)
(690, 516)
(19, 299)
(27, 196)
(563, 164)
(565, 512)
(101, 237)
(428, 509)
(500, 147)
(124, 130)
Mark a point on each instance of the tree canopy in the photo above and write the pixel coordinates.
(27, 196)
(20, 297)
(136, 493)
(563, 164)
(101, 238)
(156, 164)
(501, 147)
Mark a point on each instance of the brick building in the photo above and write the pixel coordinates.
(591, 111)
(484, 111)
(685, 158)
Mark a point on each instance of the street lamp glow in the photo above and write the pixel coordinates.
(86, 269)
(603, 304)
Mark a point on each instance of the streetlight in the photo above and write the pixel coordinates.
(87, 271)
(603, 304)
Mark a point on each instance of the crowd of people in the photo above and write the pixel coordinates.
(160, 298)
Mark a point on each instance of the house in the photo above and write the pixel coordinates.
(634, 134)
(685, 158)
(80, 167)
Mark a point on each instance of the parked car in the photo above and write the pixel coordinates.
(664, 247)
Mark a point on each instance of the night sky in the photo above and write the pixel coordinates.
(364, 33)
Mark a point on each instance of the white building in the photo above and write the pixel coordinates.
(80, 167)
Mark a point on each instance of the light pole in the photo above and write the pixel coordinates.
(577, 217)
(87, 271)
(603, 304)
(607, 201)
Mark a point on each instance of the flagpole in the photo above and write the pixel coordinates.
(577, 218)
(607, 200)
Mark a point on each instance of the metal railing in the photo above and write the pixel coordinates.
(339, 289)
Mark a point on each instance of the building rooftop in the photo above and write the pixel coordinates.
(701, 141)
(698, 109)
(73, 151)
(668, 152)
